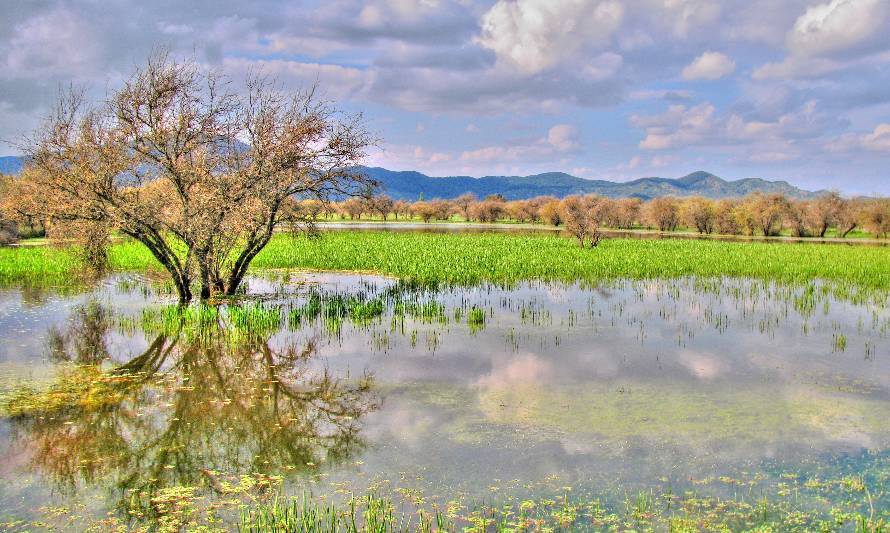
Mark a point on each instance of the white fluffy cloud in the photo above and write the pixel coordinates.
(832, 36)
(564, 137)
(677, 127)
(534, 35)
(709, 66)
(837, 26)
(782, 138)
(558, 145)
(561, 140)
(877, 140)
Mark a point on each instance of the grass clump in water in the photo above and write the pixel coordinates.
(476, 318)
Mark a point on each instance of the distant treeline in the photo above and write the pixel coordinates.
(755, 214)
(582, 215)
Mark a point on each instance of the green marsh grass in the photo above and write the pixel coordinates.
(200, 322)
(475, 258)
(466, 259)
(476, 319)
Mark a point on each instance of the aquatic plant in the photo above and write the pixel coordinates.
(476, 319)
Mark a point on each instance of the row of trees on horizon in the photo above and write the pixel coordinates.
(755, 214)
(582, 215)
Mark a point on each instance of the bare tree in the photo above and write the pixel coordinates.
(313, 208)
(796, 216)
(606, 212)
(463, 203)
(725, 221)
(353, 208)
(522, 210)
(663, 213)
(19, 205)
(627, 212)
(200, 175)
(763, 213)
(699, 213)
(822, 213)
(578, 217)
(9, 231)
(423, 210)
(401, 207)
(849, 216)
(876, 216)
(441, 208)
(488, 210)
(382, 204)
(549, 212)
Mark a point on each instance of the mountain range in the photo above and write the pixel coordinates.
(410, 185)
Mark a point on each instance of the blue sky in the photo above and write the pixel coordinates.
(608, 89)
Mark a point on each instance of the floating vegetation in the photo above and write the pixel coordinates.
(77, 387)
(257, 503)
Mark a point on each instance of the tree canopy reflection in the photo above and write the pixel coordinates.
(203, 397)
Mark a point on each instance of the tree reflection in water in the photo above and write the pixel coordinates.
(189, 405)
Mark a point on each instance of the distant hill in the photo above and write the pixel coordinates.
(409, 185)
(11, 164)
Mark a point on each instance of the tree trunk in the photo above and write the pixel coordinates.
(168, 260)
(204, 272)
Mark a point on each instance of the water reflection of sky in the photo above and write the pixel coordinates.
(620, 384)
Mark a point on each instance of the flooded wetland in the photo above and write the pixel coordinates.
(696, 403)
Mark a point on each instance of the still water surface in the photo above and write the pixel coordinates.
(337, 381)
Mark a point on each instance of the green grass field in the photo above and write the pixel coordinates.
(499, 258)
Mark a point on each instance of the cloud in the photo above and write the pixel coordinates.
(563, 138)
(335, 81)
(662, 94)
(830, 37)
(738, 137)
(556, 147)
(588, 63)
(489, 91)
(534, 35)
(878, 141)
(51, 44)
(409, 157)
(837, 26)
(709, 66)
(678, 126)
(686, 15)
